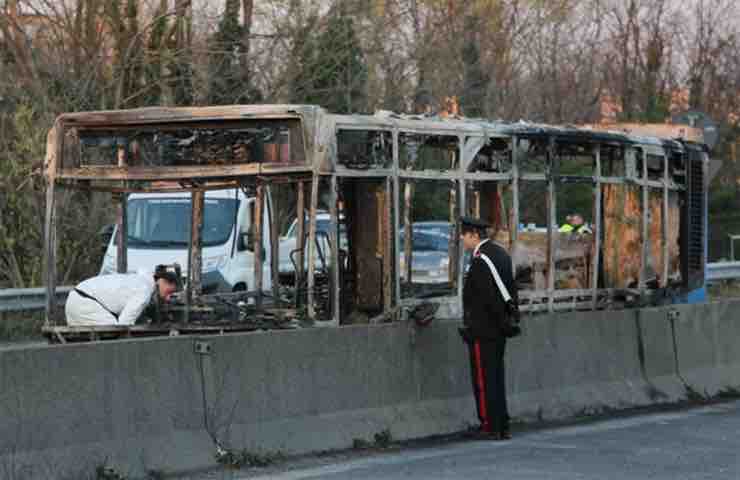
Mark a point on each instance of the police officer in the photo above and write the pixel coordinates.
(484, 310)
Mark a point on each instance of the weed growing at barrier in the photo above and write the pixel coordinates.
(246, 458)
(360, 444)
(729, 393)
(383, 439)
(104, 472)
(693, 395)
(155, 475)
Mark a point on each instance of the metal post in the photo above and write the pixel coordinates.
(301, 237)
(312, 245)
(50, 246)
(452, 246)
(596, 254)
(396, 220)
(516, 157)
(195, 264)
(408, 193)
(387, 247)
(258, 254)
(122, 214)
(334, 238)
(121, 232)
(644, 223)
(664, 223)
(551, 224)
(274, 246)
(460, 207)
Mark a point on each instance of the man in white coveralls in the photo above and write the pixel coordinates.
(119, 299)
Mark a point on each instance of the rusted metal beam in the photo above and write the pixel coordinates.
(313, 207)
(195, 269)
(461, 205)
(645, 224)
(258, 253)
(551, 221)
(596, 253)
(408, 194)
(516, 157)
(334, 238)
(301, 237)
(387, 253)
(121, 201)
(122, 215)
(205, 186)
(452, 246)
(176, 173)
(272, 210)
(664, 224)
(396, 220)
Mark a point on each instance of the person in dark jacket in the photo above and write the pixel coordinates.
(484, 310)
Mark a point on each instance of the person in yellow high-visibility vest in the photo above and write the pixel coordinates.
(574, 224)
(567, 227)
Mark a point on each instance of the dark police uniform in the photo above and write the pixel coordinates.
(484, 308)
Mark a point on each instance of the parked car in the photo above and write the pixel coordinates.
(289, 242)
(430, 257)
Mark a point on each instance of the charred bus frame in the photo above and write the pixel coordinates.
(647, 180)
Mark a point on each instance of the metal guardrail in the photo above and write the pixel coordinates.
(31, 299)
(722, 271)
(28, 299)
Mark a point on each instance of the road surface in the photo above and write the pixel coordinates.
(698, 443)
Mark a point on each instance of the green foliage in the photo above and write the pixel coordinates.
(229, 75)
(16, 326)
(332, 69)
(21, 225)
(22, 208)
(475, 80)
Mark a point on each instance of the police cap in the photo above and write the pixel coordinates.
(473, 223)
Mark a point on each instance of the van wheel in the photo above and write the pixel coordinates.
(240, 287)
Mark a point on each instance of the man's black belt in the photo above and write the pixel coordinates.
(86, 295)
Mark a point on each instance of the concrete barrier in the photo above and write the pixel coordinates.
(575, 363)
(157, 404)
(706, 339)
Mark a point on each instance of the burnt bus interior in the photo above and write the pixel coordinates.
(373, 202)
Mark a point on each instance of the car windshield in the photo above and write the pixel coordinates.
(323, 225)
(427, 241)
(165, 222)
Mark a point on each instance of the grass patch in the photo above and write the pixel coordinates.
(360, 444)
(246, 458)
(694, 395)
(383, 439)
(21, 326)
(729, 393)
(724, 289)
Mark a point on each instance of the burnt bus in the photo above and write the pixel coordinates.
(389, 190)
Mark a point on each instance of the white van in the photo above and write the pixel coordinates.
(159, 232)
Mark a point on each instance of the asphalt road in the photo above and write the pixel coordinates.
(699, 443)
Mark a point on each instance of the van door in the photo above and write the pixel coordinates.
(241, 268)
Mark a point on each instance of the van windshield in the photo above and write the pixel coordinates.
(165, 222)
